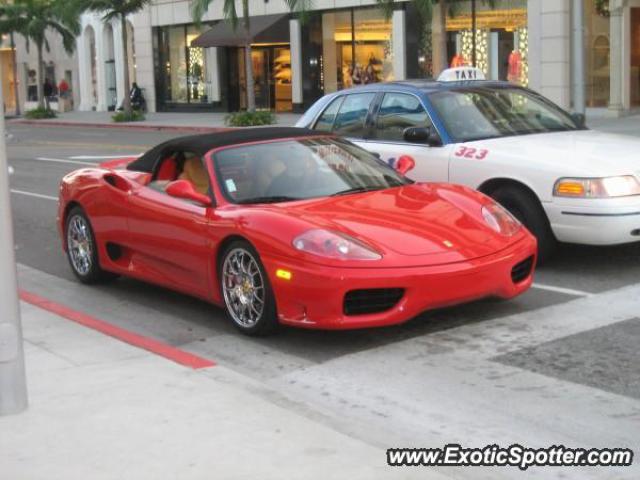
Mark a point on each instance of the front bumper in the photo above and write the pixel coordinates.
(314, 296)
(595, 221)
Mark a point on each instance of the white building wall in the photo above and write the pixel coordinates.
(143, 46)
(549, 49)
(56, 56)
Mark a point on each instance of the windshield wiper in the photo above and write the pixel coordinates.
(357, 190)
(271, 199)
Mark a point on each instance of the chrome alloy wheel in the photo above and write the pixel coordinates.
(80, 245)
(243, 287)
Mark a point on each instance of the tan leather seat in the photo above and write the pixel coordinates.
(193, 170)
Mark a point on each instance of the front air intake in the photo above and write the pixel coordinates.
(521, 271)
(363, 302)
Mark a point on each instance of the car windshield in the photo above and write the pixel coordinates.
(300, 169)
(479, 113)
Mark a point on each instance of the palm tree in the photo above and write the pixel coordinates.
(33, 19)
(199, 8)
(14, 60)
(426, 12)
(119, 9)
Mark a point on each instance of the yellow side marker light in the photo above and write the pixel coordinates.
(283, 274)
(571, 188)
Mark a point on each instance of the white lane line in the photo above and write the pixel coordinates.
(566, 291)
(62, 160)
(104, 157)
(36, 195)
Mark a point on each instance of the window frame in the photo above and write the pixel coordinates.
(401, 142)
(376, 117)
(367, 120)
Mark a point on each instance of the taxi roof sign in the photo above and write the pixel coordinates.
(461, 74)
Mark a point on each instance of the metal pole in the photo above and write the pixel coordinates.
(474, 29)
(577, 57)
(13, 384)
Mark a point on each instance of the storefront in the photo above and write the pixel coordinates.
(597, 58)
(271, 65)
(500, 47)
(356, 47)
(204, 68)
(8, 80)
(183, 72)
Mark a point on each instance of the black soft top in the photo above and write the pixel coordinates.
(202, 143)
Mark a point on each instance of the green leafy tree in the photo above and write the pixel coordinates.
(200, 7)
(119, 9)
(33, 19)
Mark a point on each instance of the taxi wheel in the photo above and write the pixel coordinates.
(82, 249)
(525, 207)
(246, 291)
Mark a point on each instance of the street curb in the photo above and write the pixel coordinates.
(127, 125)
(149, 344)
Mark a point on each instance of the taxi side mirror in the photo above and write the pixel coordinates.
(184, 189)
(423, 135)
(579, 119)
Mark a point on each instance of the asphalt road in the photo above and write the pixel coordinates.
(41, 156)
(580, 276)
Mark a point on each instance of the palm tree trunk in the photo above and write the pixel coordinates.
(251, 93)
(126, 99)
(40, 78)
(15, 75)
(439, 29)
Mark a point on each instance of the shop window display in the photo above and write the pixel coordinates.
(597, 45)
(181, 69)
(357, 48)
(271, 77)
(500, 46)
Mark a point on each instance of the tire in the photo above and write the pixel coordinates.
(244, 286)
(526, 207)
(82, 251)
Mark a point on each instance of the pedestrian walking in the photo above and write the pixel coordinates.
(48, 92)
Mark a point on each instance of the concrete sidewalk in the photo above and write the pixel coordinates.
(102, 409)
(164, 120)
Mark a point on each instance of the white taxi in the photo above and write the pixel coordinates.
(563, 181)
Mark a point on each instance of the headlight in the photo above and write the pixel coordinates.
(499, 219)
(328, 244)
(607, 187)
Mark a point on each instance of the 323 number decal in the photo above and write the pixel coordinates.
(474, 153)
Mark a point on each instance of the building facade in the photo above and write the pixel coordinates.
(186, 67)
(58, 65)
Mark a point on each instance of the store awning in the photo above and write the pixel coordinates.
(262, 29)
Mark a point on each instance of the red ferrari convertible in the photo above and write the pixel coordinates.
(290, 226)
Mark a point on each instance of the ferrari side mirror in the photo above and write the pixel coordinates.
(405, 164)
(184, 189)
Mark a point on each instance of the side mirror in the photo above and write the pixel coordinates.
(405, 164)
(422, 135)
(184, 189)
(580, 119)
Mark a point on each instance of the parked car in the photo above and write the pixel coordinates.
(284, 225)
(564, 182)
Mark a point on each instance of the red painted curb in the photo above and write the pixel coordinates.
(128, 126)
(149, 344)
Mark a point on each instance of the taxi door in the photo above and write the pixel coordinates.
(396, 112)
